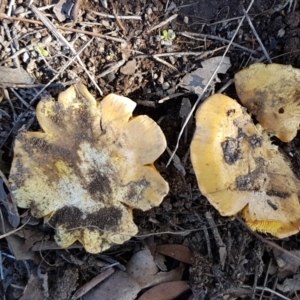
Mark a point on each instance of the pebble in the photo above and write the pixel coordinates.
(172, 60)
(25, 57)
(38, 35)
(47, 39)
(165, 85)
(129, 67)
(149, 11)
(161, 80)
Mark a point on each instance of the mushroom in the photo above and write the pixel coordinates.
(238, 170)
(272, 94)
(92, 164)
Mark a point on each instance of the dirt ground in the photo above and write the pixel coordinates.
(131, 63)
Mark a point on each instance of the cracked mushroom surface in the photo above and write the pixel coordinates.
(92, 164)
(238, 170)
(272, 94)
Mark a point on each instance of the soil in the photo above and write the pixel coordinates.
(146, 80)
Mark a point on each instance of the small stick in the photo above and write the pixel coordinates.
(192, 35)
(163, 23)
(165, 63)
(207, 85)
(62, 39)
(92, 283)
(113, 68)
(117, 18)
(172, 96)
(218, 239)
(106, 37)
(257, 37)
(113, 17)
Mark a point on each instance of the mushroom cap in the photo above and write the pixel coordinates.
(272, 94)
(238, 171)
(92, 164)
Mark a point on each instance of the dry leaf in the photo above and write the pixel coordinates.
(33, 289)
(14, 76)
(196, 80)
(178, 252)
(166, 291)
(290, 285)
(118, 286)
(144, 270)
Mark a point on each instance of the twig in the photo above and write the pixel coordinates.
(113, 68)
(220, 244)
(106, 37)
(192, 35)
(163, 23)
(21, 99)
(267, 290)
(113, 17)
(271, 244)
(257, 37)
(120, 24)
(207, 85)
(39, 85)
(92, 283)
(165, 63)
(265, 280)
(62, 39)
(61, 70)
(13, 231)
(172, 96)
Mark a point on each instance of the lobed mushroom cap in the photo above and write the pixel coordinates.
(87, 170)
(238, 171)
(272, 94)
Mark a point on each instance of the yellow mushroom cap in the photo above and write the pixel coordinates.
(90, 167)
(272, 94)
(238, 171)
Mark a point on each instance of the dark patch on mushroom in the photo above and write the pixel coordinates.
(282, 195)
(253, 181)
(231, 150)
(21, 174)
(71, 217)
(132, 190)
(230, 112)
(256, 141)
(272, 204)
(100, 183)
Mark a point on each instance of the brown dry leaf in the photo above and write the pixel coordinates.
(286, 263)
(166, 291)
(33, 289)
(290, 284)
(196, 80)
(16, 243)
(119, 285)
(8, 202)
(271, 94)
(143, 269)
(178, 252)
(30, 236)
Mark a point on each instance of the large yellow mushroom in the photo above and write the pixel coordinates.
(272, 94)
(238, 169)
(89, 167)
